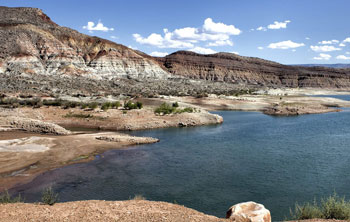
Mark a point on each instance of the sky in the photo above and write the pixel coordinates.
(285, 31)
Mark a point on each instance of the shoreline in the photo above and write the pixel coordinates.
(20, 167)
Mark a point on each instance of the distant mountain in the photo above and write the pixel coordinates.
(337, 66)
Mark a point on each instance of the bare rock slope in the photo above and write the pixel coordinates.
(32, 43)
(228, 67)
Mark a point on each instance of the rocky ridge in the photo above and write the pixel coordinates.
(40, 56)
(232, 68)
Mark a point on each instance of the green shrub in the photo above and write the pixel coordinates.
(105, 106)
(139, 105)
(7, 198)
(333, 207)
(49, 197)
(165, 109)
(306, 211)
(175, 104)
(130, 105)
(93, 105)
(116, 104)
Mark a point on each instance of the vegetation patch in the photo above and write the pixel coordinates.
(7, 198)
(333, 207)
(49, 197)
(165, 109)
(131, 105)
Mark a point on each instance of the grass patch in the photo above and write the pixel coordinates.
(7, 198)
(333, 207)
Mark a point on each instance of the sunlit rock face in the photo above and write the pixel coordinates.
(31, 43)
(249, 212)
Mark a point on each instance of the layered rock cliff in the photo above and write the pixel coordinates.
(31, 43)
(227, 67)
(36, 53)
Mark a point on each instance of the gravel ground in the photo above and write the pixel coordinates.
(131, 210)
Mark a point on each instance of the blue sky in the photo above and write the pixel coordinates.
(286, 31)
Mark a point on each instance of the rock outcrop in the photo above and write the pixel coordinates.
(232, 68)
(32, 125)
(248, 212)
(33, 44)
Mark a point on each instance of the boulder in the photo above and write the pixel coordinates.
(249, 212)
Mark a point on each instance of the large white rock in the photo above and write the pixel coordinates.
(249, 212)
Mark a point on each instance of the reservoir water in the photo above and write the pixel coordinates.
(276, 161)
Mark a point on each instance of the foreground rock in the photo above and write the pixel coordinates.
(121, 211)
(248, 212)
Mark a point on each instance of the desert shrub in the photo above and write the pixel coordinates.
(105, 106)
(130, 105)
(333, 207)
(53, 102)
(116, 104)
(93, 105)
(139, 105)
(70, 104)
(175, 104)
(49, 197)
(306, 211)
(138, 197)
(165, 109)
(7, 198)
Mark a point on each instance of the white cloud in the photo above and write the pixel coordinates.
(343, 57)
(346, 40)
(159, 54)
(152, 39)
(114, 37)
(98, 27)
(210, 26)
(221, 43)
(217, 33)
(202, 50)
(260, 48)
(278, 25)
(285, 45)
(307, 38)
(323, 56)
(324, 48)
(237, 53)
(330, 42)
(342, 45)
(348, 53)
(261, 28)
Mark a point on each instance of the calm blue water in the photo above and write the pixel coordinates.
(343, 97)
(276, 161)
